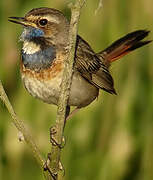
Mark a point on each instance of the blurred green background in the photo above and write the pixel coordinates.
(112, 139)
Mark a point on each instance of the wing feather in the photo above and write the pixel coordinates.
(92, 68)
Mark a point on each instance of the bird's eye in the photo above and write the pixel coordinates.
(43, 22)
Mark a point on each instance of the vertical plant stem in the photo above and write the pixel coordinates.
(65, 87)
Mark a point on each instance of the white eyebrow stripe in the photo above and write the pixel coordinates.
(52, 19)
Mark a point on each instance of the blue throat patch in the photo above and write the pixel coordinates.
(29, 33)
(39, 60)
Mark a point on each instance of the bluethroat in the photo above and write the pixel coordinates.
(45, 42)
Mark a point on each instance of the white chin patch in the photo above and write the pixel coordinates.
(29, 47)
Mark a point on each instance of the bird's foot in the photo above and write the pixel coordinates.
(53, 140)
(47, 167)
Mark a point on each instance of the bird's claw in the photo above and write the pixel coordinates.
(53, 141)
(46, 167)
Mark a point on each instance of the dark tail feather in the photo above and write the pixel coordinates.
(124, 45)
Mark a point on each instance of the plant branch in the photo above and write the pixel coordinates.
(65, 88)
(21, 128)
(100, 5)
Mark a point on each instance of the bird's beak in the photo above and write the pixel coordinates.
(21, 20)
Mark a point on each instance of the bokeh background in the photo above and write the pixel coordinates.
(112, 139)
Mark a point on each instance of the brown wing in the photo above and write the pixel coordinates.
(92, 68)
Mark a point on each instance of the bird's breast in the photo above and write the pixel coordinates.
(45, 84)
(35, 58)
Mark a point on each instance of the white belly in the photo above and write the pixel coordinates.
(82, 93)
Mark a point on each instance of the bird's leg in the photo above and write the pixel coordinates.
(53, 141)
(72, 113)
(47, 167)
(67, 114)
(53, 131)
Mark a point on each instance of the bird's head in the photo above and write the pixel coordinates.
(42, 24)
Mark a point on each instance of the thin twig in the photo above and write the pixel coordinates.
(65, 87)
(21, 128)
(100, 5)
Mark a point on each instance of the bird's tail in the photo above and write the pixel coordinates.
(123, 46)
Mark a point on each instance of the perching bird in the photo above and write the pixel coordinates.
(45, 42)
